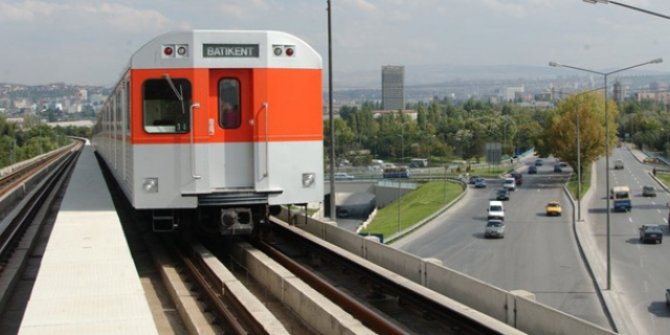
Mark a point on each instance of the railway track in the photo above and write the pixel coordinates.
(384, 301)
(325, 292)
(17, 221)
(28, 197)
(24, 171)
(284, 283)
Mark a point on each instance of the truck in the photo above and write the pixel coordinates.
(418, 162)
(621, 197)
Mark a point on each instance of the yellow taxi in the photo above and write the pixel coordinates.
(553, 208)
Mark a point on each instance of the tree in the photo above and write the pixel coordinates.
(561, 134)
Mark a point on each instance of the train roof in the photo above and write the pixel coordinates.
(226, 49)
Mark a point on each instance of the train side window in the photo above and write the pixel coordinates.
(229, 103)
(127, 104)
(162, 110)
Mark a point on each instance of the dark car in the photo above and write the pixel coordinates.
(502, 194)
(648, 191)
(651, 233)
(473, 179)
(480, 183)
(538, 162)
(558, 168)
(532, 169)
(667, 297)
(518, 177)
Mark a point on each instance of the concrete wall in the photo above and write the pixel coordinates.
(385, 191)
(514, 309)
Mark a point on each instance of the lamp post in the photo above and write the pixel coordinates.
(402, 158)
(331, 121)
(607, 159)
(593, 2)
(579, 171)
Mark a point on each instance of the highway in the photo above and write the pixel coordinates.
(640, 273)
(538, 253)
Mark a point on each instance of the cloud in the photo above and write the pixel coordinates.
(507, 8)
(361, 5)
(27, 11)
(83, 15)
(243, 9)
(124, 17)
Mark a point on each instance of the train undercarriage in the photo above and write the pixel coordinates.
(219, 220)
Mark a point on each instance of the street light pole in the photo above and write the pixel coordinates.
(579, 172)
(402, 158)
(331, 122)
(607, 158)
(593, 2)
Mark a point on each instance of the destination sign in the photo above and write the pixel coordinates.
(230, 50)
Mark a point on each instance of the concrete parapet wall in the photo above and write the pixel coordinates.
(394, 260)
(514, 309)
(342, 238)
(470, 291)
(536, 318)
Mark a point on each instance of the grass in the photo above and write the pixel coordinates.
(586, 183)
(489, 171)
(414, 207)
(664, 177)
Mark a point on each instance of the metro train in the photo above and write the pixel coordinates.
(216, 129)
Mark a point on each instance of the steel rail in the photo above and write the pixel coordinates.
(11, 180)
(13, 231)
(216, 297)
(370, 318)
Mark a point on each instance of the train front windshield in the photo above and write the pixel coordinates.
(164, 111)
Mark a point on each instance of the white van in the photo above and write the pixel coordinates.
(495, 210)
(510, 184)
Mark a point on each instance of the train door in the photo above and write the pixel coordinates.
(231, 155)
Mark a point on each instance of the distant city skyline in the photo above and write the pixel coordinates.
(89, 43)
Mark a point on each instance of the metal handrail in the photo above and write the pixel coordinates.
(267, 141)
(192, 137)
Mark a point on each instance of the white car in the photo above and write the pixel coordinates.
(494, 228)
(343, 176)
(510, 184)
(495, 210)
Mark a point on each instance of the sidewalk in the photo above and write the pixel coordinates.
(596, 262)
(594, 252)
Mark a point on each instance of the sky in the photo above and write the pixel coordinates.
(89, 42)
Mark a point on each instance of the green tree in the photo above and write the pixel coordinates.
(561, 134)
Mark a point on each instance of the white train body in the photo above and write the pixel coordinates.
(222, 120)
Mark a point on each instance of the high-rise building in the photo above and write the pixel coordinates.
(618, 92)
(393, 87)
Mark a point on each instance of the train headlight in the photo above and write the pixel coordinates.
(182, 50)
(168, 51)
(308, 179)
(150, 185)
(278, 51)
(283, 50)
